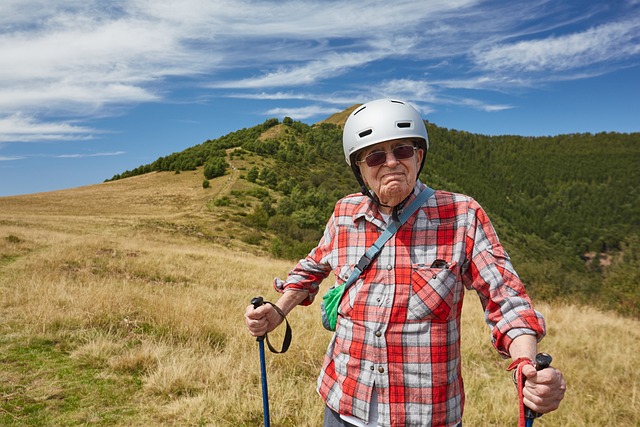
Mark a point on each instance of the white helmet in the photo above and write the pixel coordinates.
(378, 121)
(381, 120)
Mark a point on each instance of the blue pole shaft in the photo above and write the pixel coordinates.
(265, 389)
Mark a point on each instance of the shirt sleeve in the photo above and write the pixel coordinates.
(313, 269)
(507, 307)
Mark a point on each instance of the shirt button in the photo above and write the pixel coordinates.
(372, 368)
(381, 369)
(389, 267)
(378, 334)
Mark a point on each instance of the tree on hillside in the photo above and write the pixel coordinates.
(215, 167)
(252, 175)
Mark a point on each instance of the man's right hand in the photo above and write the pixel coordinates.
(261, 320)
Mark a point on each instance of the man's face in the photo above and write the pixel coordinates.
(394, 179)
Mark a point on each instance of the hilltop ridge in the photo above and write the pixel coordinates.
(341, 117)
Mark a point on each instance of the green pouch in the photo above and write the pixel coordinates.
(329, 307)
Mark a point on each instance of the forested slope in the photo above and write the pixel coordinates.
(566, 207)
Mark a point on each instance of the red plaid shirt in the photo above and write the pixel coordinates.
(399, 324)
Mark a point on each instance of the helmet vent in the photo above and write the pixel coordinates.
(365, 133)
(360, 109)
(403, 125)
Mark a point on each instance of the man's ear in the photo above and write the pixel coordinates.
(421, 155)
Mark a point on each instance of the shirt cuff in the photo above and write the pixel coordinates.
(281, 287)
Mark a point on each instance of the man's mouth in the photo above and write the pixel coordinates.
(392, 176)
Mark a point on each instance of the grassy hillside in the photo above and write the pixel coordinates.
(567, 208)
(122, 303)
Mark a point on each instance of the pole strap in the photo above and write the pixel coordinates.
(519, 379)
(287, 334)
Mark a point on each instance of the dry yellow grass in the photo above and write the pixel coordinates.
(131, 285)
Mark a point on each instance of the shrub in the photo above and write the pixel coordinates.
(215, 167)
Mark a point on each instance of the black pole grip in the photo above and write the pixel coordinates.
(543, 361)
(257, 302)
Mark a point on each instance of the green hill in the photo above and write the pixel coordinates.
(566, 207)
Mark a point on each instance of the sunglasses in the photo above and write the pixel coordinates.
(400, 152)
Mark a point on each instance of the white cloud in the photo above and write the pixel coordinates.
(407, 89)
(72, 53)
(68, 98)
(480, 105)
(83, 155)
(432, 93)
(327, 98)
(21, 128)
(302, 112)
(605, 43)
(81, 58)
(89, 63)
(299, 19)
(331, 65)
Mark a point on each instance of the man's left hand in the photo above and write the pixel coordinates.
(543, 390)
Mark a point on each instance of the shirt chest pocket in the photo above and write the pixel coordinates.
(434, 292)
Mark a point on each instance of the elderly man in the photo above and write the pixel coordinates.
(394, 359)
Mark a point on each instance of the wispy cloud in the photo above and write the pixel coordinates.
(407, 89)
(22, 128)
(326, 98)
(594, 46)
(63, 156)
(10, 158)
(302, 112)
(67, 61)
(332, 65)
(83, 155)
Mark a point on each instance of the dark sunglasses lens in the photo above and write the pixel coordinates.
(376, 159)
(379, 157)
(403, 152)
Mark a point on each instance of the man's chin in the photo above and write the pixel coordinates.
(394, 194)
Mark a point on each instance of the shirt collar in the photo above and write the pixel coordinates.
(368, 209)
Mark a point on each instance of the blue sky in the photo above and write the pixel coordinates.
(91, 88)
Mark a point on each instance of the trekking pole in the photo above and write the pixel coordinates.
(543, 361)
(257, 302)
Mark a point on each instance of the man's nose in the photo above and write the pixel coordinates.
(390, 159)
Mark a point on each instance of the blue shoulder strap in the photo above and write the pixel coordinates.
(391, 229)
